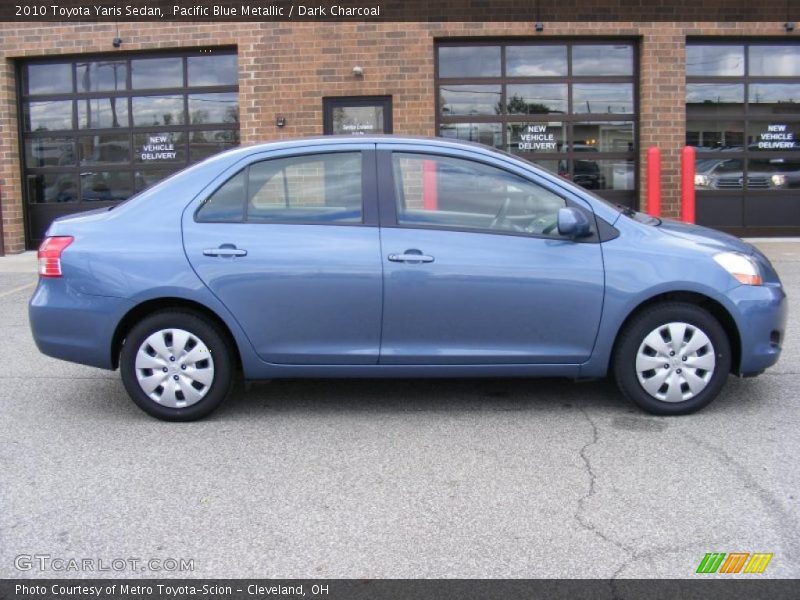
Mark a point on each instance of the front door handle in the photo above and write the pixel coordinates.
(411, 256)
(225, 250)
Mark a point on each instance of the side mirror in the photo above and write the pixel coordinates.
(573, 223)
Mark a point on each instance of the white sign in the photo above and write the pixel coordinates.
(357, 128)
(536, 138)
(158, 147)
(776, 137)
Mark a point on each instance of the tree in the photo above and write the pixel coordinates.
(517, 105)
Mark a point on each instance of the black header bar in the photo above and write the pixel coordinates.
(399, 10)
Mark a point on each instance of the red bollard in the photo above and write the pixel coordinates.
(654, 181)
(430, 200)
(687, 185)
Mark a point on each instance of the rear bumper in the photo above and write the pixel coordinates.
(762, 315)
(72, 326)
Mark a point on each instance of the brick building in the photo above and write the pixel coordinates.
(84, 124)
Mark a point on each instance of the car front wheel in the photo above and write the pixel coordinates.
(176, 365)
(672, 359)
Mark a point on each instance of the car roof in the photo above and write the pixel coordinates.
(311, 142)
(326, 140)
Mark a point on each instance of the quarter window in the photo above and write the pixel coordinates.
(453, 193)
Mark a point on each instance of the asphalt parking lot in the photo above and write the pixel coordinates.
(494, 478)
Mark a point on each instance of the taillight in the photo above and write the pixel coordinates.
(49, 255)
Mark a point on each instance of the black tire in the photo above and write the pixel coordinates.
(633, 336)
(218, 347)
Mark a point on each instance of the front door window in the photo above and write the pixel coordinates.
(453, 193)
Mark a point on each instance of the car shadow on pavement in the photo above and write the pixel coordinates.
(545, 397)
(418, 395)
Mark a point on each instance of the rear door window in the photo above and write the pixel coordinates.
(315, 188)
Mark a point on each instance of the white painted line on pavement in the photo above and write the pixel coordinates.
(17, 289)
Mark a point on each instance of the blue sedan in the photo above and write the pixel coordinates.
(397, 257)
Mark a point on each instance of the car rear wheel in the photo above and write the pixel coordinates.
(176, 365)
(672, 359)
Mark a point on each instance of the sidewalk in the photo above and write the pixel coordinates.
(19, 263)
(778, 249)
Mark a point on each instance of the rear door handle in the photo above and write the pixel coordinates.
(225, 250)
(411, 257)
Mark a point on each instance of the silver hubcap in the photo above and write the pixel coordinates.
(675, 362)
(174, 368)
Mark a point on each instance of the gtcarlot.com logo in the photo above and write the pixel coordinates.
(60, 564)
(734, 562)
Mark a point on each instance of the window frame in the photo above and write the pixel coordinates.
(126, 93)
(746, 116)
(369, 208)
(568, 119)
(388, 200)
(746, 210)
(330, 103)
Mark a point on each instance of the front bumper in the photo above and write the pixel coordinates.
(72, 326)
(762, 314)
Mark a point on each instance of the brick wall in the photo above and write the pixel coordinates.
(286, 68)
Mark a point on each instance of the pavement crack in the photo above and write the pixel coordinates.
(578, 515)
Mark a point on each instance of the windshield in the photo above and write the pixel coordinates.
(627, 211)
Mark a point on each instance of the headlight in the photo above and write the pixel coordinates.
(778, 180)
(702, 181)
(741, 266)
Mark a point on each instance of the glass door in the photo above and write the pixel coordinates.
(358, 115)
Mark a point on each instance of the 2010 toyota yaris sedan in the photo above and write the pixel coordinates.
(397, 257)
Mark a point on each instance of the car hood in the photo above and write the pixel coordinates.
(703, 235)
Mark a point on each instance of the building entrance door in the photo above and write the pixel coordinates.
(357, 115)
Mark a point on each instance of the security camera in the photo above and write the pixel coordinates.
(789, 26)
(358, 71)
(539, 27)
(116, 42)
